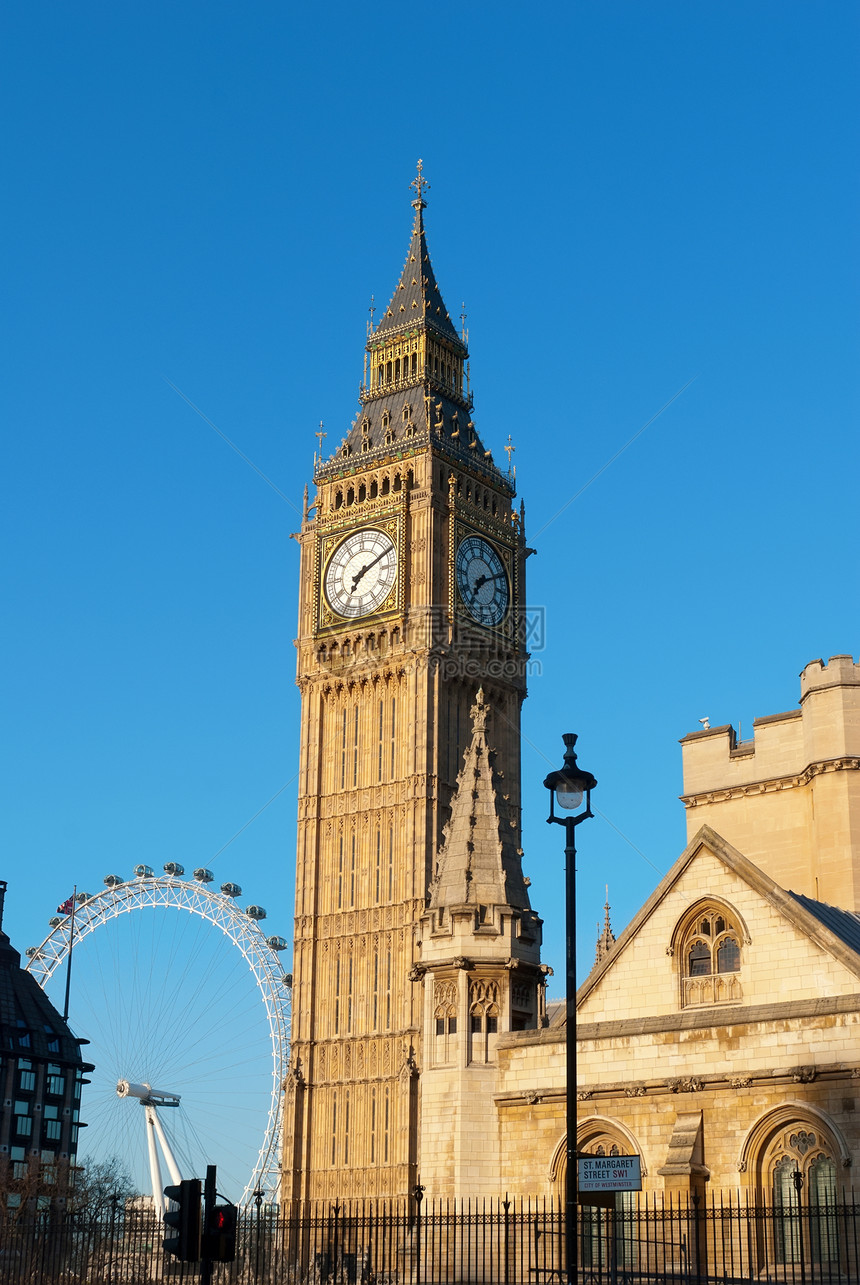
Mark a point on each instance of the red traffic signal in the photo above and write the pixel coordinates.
(185, 1220)
(219, 1234)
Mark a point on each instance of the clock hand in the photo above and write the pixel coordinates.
(364, 570)
(482, 580)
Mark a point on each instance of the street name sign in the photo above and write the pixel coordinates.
(610, 1173)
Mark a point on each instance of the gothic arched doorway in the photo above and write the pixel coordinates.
(801, 1174)
(793, 1157)
(608, 1236)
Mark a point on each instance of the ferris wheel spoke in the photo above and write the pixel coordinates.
(157, 994)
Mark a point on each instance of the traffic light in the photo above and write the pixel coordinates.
(185, 1219)
(219, 1234)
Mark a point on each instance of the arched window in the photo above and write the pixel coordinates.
(709, 952)
(483, 1020)
(728, 956)
(445, 1022)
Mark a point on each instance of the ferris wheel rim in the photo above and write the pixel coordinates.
(220, 910)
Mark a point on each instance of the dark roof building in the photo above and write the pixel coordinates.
(41, 1073)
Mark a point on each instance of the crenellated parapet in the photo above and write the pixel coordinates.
(790, 796)
(785, 748)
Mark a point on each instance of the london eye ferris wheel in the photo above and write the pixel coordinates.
(176, 987)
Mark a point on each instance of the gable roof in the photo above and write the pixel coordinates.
(835, 931)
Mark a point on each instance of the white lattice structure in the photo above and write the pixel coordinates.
(149, 892)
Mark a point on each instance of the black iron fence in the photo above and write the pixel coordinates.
(724, 1238)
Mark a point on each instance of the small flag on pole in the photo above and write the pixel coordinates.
(67, 907)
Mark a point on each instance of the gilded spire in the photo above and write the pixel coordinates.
(417, 299)
(415, 390)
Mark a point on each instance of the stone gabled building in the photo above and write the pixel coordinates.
(719, 1036)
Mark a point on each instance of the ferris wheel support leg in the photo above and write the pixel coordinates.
(166, 1150)
(154, 1170)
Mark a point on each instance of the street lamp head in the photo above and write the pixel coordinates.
(569, 785)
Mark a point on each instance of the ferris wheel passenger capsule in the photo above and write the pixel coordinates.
(113, 881)
(255, 912)
(56, 920)
(174, 868)
(231, 889)
(277, 943)
(33, 952)
(82, 897)
(202, 875)
(143, 872)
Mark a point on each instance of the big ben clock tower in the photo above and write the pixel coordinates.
(412, 566)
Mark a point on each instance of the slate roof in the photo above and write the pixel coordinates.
(844, 924)
(417, 296)
(430, 418)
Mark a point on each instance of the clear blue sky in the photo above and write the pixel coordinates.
(627, 196)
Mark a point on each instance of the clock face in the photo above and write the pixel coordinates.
(361, 573)
(482, 580)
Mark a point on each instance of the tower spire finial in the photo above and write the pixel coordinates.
(421, 186)
(605, 939)
(318, 455)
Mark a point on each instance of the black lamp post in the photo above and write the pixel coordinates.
(258, 1201)
(570, 787)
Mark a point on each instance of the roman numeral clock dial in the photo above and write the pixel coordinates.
(361, 573)
(482, 581)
